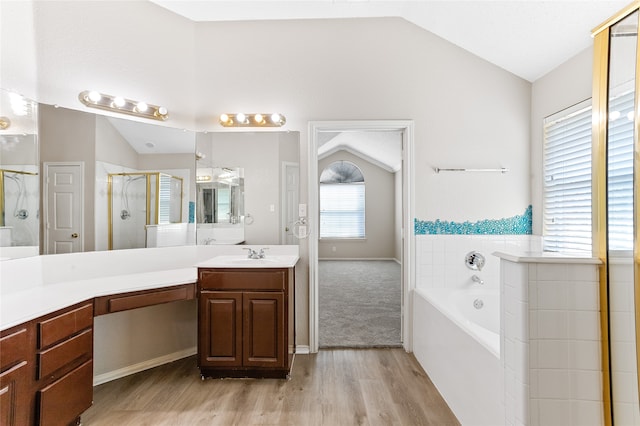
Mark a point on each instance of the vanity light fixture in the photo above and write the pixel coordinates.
(252, 120)
(119, 104)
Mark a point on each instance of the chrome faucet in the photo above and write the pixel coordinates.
(254, 254)
(477, 279)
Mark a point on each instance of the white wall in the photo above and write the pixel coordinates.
(133, 49)
(567, 85)
(467, 112)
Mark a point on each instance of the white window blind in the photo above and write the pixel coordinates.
(342, 210)
(567, 180)
(620, 172)
(164, 205)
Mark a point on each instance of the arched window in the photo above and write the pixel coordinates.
(342, 205)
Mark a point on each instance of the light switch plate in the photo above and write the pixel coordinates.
(302, 210)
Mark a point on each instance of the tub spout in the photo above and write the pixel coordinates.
(477, 279)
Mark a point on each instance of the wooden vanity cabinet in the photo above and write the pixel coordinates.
(64, 365)
(14, 377)
(46, 368)
(245, 322)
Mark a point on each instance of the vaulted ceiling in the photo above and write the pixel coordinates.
(526, 37)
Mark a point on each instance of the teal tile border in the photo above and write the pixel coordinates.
(516, 225)
(192, 212)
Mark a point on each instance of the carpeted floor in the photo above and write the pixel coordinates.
(359, 303)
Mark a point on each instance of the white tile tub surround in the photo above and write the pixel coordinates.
(440, 258)
(451, 357)
(550, 340)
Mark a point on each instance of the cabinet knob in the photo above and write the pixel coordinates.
(74, 235)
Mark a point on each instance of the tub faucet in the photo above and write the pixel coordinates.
(477, 279)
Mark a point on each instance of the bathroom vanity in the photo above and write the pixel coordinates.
(48, 305)
(246, 312)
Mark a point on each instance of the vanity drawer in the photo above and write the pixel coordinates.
(65, 399)
(65, 354)
(242, 278)
(13, 348)
(140, 299)
(64, 325)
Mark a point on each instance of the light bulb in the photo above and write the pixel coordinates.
(94, 96)
(258, 118)
(142, 106)
(614, 115)
(630, 116)
(241, 117)
(162, 110)
(224, 118)
(119, 101)
(275, 118)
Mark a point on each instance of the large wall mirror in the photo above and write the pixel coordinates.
(248, 185)
(136, 182)
(19, 180)
(141, 184)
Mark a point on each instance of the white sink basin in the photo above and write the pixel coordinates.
(242, 261)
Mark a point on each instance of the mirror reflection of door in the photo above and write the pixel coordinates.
(63, 207)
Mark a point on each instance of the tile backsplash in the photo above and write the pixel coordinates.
(440, 259)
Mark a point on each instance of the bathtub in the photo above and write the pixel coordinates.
(458, 345)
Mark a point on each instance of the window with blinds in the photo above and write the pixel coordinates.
(342, 204)
(620, 171)
(567, 180)
(342, 210)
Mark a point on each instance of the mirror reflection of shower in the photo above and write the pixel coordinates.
(139, 199)
(125, 213)
(19, 199)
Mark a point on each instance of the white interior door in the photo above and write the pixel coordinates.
(291, 184)
(63, 207)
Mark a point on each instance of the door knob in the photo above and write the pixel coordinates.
(74, 235)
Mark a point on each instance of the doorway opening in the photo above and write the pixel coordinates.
(383, 151)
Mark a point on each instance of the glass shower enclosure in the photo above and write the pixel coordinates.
(19, 205)
(138, 199)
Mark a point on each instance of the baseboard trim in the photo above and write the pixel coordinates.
(141, 366)
(359, 258)
(303, 350)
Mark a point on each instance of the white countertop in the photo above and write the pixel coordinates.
(36, 286)
(548, 257)
(22, 306)
(242, 261)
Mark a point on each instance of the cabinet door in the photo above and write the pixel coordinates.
(220, 329)
(14, 409)
(64, 400)
(264, 334)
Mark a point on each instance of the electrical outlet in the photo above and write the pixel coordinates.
(302, 210)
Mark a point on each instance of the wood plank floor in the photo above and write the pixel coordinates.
(332, 387)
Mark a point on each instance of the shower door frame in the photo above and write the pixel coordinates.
(148, 199)
(2, 198)
(601, 35)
